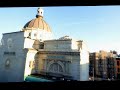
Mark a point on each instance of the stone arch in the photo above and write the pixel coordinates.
(57, 64)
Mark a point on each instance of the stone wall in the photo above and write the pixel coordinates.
(12, 61)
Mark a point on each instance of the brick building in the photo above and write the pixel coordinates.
(118, 68)
(102, 64)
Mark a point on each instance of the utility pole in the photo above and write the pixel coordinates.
(93, 73)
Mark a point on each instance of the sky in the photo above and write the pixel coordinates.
(97, 26)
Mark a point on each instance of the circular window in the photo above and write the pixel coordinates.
(7, 63)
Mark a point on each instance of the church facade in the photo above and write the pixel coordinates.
(34, 51)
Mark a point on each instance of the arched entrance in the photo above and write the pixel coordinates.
(56, 68)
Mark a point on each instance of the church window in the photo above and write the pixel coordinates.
(60, 69)
(55, 67)
(9, 42)
(32, 64)
(29, 34)
(35, 34)
(41, 46)
(7, 63)
(40, 39)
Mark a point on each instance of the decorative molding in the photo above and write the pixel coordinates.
(59, 53)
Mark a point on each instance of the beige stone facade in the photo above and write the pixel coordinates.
(34, 51)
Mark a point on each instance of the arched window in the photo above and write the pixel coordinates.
(31, 64)
(7, 63)
(55, 67)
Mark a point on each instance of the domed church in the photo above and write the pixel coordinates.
(33, 51)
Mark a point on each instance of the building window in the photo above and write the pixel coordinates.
(55, 67)
(118, 63)
(7, 63)
(29, 35)
(41, 46)
(118, 70)
(31, 64)
(35, 34)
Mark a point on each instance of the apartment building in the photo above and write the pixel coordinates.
(118, 68)
(102, 64)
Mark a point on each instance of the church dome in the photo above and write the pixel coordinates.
(38, 22)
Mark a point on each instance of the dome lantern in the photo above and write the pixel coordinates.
(39, 12)
(38, 22)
